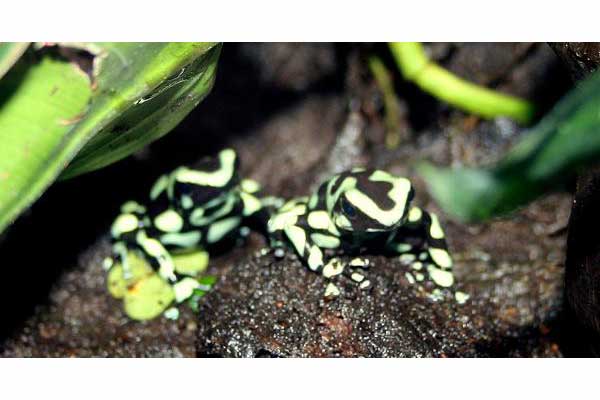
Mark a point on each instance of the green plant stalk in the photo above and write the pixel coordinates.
(390, 101)
(564, 141)
(442, 84)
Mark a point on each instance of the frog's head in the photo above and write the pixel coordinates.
(375, 202)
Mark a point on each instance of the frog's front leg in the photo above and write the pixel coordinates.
(434, 260)
(152, 248)
(158, 254)
(433, 234)
(312, 232)
(305, 247)
(427, 227)
(123, 232)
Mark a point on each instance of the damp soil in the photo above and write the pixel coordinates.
(297, 113)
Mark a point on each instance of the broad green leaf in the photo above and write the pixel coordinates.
(563, 141)
(144, 90)
(52, 115)
(10, 54)
(39, 106)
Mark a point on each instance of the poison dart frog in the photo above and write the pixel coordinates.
(363, 210)
(187, 209)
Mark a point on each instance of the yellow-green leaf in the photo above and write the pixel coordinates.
(39, 105)
(54, 116)
(10, 54)
(566, 139)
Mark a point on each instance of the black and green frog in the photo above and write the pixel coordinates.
(188, 210)
(354, 212)
(364, 211)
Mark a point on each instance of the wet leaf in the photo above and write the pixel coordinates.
(566, 139)
(144, 297)
(38, 106)
(143, 91)
(10, 54)
(54, 116)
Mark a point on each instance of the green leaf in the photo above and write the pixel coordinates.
(563, 141)
(444, 85)
(52, 115)
(144, 90)
(10, 54)
(39, 105)
(208, 280)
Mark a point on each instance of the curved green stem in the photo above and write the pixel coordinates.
(439, 82)
(390, 101)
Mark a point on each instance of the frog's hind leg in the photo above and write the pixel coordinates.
(282, 217)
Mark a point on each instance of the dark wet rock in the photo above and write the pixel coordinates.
(276, 307)
(583, 247)
(484, 64)
(581, 58)
(292, 66)
(288, 149)
(583, 262)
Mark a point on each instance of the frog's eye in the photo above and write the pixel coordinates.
(348, 209)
